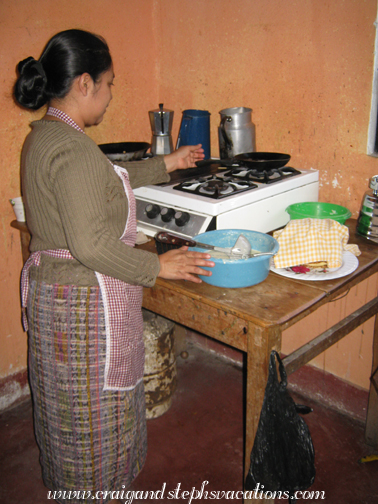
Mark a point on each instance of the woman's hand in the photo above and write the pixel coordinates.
(180, 264)
(184, 157)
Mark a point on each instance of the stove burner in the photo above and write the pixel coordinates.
(215, 187)
(268, 176)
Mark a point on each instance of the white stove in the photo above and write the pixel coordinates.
(188, 206)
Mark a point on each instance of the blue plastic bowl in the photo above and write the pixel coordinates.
(241, 272)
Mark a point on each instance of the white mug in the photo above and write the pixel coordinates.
(18, 208)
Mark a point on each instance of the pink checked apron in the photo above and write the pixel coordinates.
(124, 365)
(123, 314)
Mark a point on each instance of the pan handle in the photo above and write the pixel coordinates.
(172, 239)
(222, 162)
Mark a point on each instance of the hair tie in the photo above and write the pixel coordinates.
(38, 66)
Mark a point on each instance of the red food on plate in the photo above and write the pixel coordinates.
(302, 268)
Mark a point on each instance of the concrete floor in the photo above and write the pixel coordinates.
(200, 439)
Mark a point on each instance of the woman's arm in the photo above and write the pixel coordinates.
(155, 170)
(184, 157)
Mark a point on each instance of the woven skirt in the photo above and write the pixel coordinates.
(89, 440)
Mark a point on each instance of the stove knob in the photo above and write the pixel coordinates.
(152, 211)
(181, 218)
(167, 214)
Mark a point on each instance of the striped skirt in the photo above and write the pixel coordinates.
(89, 439)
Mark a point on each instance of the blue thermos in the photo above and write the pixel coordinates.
(195, 129)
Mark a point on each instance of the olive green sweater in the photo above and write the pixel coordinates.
(74, 200)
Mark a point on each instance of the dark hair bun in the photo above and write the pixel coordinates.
(30, 88)
(67, 55)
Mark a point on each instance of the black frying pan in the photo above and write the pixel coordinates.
(126, 151)
(256, 160)
(263, 160)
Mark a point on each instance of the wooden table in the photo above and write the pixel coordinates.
(253, 319)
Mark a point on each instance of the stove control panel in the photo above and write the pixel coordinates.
(153, 217)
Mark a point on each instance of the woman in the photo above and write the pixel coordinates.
(83, 282)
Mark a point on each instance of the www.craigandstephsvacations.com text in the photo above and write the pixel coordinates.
(187, 496)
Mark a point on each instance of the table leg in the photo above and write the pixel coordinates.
(261, 341)
(25, 241)
(371, 430)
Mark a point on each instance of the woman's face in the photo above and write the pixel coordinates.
(100, 95)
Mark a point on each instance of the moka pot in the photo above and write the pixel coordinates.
(161, 125)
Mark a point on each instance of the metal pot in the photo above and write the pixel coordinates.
(126, 151)
(236, 132)
(367, 224)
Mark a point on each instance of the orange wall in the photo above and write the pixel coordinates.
(305, 67)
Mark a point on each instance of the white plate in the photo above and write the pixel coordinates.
(350, 263)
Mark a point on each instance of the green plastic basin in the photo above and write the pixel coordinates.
(318, 210)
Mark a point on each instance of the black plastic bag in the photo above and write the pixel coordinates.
(282, 457)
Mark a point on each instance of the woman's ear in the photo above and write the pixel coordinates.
(84, 82)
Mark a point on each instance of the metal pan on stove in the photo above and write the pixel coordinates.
(255, 160)
(126, 151)
(263, 160)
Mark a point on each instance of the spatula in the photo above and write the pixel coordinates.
(242, 247)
